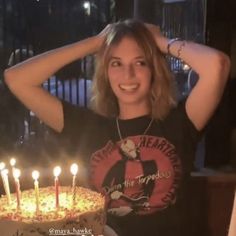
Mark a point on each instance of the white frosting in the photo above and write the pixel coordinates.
(87, 217)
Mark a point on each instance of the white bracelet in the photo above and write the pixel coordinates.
(170, 42)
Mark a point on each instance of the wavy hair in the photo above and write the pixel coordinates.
(162, 92)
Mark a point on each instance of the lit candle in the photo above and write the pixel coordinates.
(35, 175)
(16, 175)
(2, 166)
(4, 175)
(74, 171)
(13, 163)
(57, 172)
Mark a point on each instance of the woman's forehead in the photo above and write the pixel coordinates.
(126, 45)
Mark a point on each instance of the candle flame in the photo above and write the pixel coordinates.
(12, 161)
(57, 171)
(2, 166)
(16, 173)
(74, 169)
(35, 174)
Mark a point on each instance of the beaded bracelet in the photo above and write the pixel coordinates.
(180, 47)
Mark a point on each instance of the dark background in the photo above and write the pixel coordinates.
(47, 24)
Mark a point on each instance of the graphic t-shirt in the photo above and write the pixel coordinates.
(143, 177)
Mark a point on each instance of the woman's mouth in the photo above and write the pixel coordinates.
(129, 87)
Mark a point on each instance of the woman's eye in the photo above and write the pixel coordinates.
(115, 63)
(141, 63)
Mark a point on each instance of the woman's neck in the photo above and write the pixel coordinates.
(131, 111)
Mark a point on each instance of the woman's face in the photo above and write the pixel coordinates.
(129, 74)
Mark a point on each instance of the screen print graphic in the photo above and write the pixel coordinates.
(140, 174)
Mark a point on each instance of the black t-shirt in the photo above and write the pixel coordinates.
(144, 177)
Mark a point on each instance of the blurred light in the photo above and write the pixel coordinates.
(186, 67)
(86, 5)
(57, 171)
(35, 174)
(74, 169)
(12, 161)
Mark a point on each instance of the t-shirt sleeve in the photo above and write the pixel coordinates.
(77, 121)
(188, 127)
(74, 119)
(182, 133)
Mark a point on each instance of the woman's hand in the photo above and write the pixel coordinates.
(160, 39)
(102, 35)
(104, 32)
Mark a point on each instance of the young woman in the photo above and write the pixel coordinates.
(137, 143)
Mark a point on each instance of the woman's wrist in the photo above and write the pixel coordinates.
(96, 42)
(170, 44)
(162, 43)
(175, 47)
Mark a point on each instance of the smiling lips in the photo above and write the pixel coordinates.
(129, 87)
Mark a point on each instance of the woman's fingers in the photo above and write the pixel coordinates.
(154, 29)
(160, 39)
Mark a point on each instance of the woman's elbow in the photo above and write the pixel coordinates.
(223, 65)
(7, 76)
(10, 78)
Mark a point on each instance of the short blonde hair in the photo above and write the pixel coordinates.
(162, 92)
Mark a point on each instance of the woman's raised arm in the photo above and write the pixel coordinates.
(212, 67)
(25, 79)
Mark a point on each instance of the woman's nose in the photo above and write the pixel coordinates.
(129, 72)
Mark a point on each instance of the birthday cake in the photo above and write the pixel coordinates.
(78, 214)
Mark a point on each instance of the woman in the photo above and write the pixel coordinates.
(138, 143)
